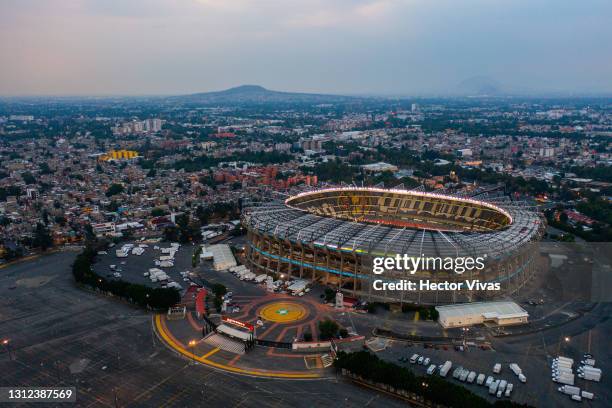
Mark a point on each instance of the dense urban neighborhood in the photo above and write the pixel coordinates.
(141, 167)
(224, 240)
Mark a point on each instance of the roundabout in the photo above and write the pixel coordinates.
(283, 319)
(283, 312)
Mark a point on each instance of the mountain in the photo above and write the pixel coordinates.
(255, 94)
(479, 86)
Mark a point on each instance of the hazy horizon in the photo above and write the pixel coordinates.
(359, 47)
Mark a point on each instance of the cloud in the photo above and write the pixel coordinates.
(334, 14)
(387, 46)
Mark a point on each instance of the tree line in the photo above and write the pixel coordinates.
(144, 296)
(433, 388)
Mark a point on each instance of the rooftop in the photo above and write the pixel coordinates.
(487, 309)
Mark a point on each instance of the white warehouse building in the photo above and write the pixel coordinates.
(223, 258)
(501, 313)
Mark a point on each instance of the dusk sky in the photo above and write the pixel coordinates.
(407, 47)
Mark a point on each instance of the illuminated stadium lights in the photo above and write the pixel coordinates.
(399, 208)
(332, 236)
(407, 192)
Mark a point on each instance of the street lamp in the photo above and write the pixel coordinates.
(567, 339)
(6, 343)
(465, 330)
(191, 345)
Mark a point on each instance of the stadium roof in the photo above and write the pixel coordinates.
(278, 219)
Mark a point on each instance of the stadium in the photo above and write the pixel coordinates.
(332, 236)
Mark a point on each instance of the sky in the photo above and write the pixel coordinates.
(386, 47)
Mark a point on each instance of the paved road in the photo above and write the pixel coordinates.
(61, 335)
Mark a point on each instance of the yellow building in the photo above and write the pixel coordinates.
(119, 155)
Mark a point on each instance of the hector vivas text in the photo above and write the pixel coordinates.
(412, 265)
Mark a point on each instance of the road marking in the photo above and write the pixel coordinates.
(159, 326)
(18, 261)
(193, 323)
(268, 330)
(210, 353)
(233, 360)
(589, 342)
(157, 385)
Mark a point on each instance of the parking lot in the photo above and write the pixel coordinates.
(64, 336)
(533, 353)
(474, 359)
(133, 266)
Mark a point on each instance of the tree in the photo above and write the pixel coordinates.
(171, 234)
(218, 290)
(187, 230)
(218, 303)
(196, 256)
(163, 298)
(328, 329)
(61, 220)
(45, 169)
(330, 294)
(158, 298)
(158, 212)
(432, 388)
(42, 237)
(28, 178)
(9, 191)
(89, 233)
(114, 189)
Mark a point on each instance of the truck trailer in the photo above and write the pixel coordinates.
(445, 368)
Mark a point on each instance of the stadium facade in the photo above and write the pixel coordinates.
(332, 236)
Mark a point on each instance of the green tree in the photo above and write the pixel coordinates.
(45, 169)
(171, 234)
(42, 237)
(158, 212)
(114, 189)
(218, 289)
(9, 191)
(61, 220)
(28, 178)
(328, 329)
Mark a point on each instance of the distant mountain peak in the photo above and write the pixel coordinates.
(257, 94)
(479, 85)
(247, 88)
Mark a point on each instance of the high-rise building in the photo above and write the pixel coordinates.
(547, 152)
(137, 127)
(152, 125)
